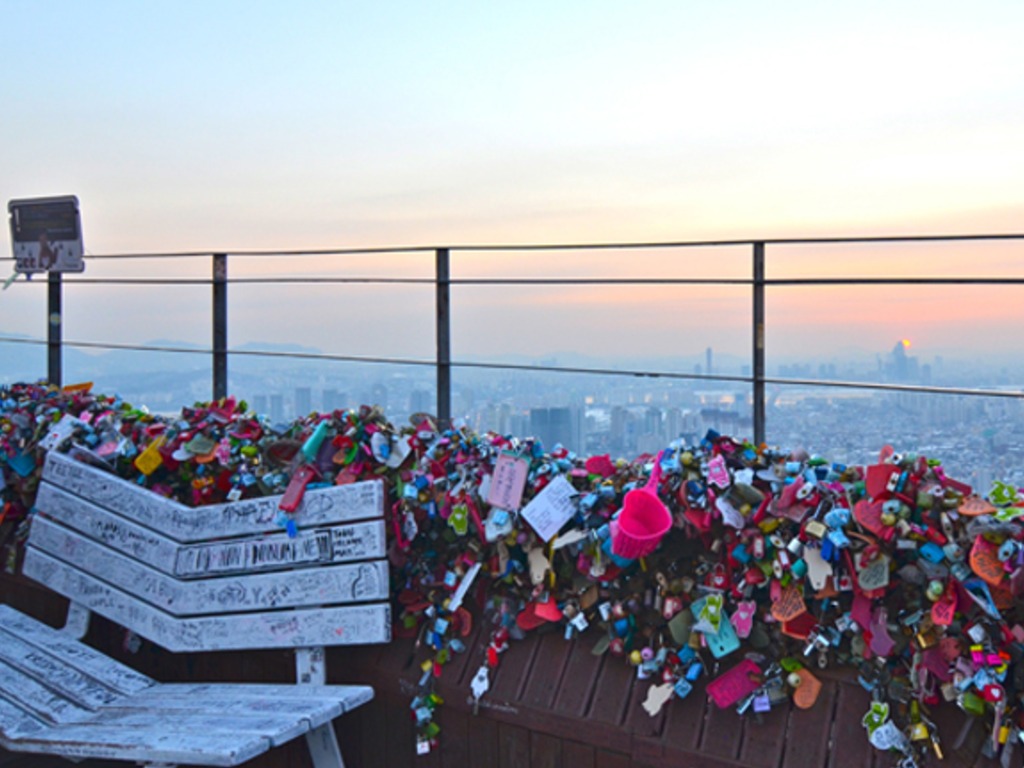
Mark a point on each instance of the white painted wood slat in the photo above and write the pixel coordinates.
(113, 531)
(16, 721)
(279, 728)
(50, 670)
(48, 704)
(312, 547)
(335, 699)
(251, 554)
(153, 745)
(338, 625)
(88, 660)
(347, 583)
(320, 506)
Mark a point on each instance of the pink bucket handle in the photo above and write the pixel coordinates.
(651, 486)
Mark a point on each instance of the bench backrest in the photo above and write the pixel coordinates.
(219, 577)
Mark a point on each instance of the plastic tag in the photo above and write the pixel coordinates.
(743, 617)
(150, 459)
(728, 688)
(708, 612)
(873, 574)
(480, 682)
(508, 481)
(296, 489)
(789, 605)
(718, 473)
(657, 696)
(819, 570)
(887, 736)
(985, 562)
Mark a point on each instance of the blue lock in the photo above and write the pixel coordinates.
(837, 518)
(932, 552)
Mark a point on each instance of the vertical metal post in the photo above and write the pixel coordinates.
(54, 324)
(758, 404)
(442, 277)
(220, 325)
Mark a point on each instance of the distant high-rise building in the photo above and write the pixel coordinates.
(379, 395)
(259, 404)
(902, 367)
(421, 401)
(708, 354)
(303, 401)
(277, 408)
(557, 425)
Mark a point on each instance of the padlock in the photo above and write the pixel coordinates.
(719, 579)
(816, 528)
(795, 547)
(757, 547)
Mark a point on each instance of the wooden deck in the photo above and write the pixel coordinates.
(551, 703)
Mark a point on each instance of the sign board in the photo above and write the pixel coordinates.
(46, 235)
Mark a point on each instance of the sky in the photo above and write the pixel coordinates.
(262, 125)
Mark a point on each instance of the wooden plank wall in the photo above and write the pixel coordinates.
(552, 704)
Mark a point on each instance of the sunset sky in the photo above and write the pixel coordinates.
(257, 125)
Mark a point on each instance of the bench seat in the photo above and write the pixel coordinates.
(61, 696)
(223, 577)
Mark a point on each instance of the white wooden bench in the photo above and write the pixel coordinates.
(211, 578)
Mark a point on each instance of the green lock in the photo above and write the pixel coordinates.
(459, 519)
(971, 703)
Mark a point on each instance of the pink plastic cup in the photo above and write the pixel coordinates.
(643, 520)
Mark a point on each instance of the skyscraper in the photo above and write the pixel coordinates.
(557, 425)
(303, 401)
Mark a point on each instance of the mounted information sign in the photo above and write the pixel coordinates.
(46, 235)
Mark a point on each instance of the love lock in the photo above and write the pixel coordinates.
(719, 578)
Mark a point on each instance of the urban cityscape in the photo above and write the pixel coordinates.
(977, 438)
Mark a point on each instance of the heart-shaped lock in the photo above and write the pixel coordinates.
(719, 577)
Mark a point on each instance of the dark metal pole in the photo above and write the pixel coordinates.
(54, 321)
(442, 276)
(759, 373)
(220, 325)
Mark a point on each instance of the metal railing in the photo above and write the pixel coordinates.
(442, 281)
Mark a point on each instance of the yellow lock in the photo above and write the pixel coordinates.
(817, 529)
(150, 459)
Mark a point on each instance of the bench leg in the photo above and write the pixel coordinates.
(323, 747)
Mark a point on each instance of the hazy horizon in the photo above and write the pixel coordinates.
(189, 126)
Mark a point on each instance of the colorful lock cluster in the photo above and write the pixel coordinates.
(747, 566)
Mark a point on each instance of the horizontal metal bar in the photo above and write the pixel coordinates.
(261, 253)
(601, 371)
(249, 280)
(743, 243)
(239, 352)
(778, 282)
(797, 281)
(910, 388)
(572, 246)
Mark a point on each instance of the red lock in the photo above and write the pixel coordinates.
(719, 578)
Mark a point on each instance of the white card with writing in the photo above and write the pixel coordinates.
(552, 508)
